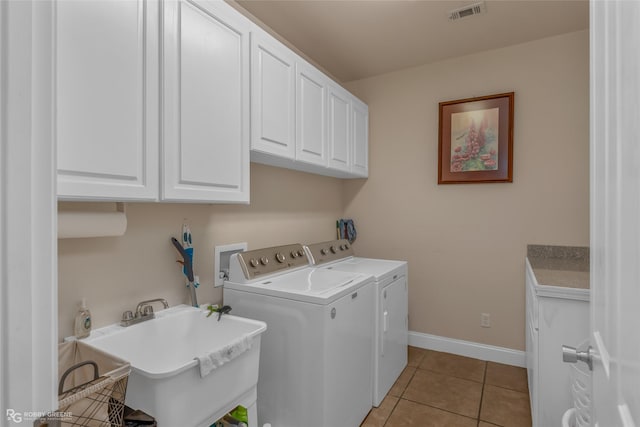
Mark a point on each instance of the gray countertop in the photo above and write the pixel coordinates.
(563, 266)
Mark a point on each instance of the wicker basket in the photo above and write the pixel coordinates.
(92, 386)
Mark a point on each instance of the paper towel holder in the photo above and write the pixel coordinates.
(91, 223)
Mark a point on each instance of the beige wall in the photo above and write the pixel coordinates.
(466, 243)
(115, 273)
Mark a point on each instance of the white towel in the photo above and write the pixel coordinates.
(215, 359)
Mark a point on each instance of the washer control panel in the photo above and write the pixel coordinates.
(259, 262)
(333, 250)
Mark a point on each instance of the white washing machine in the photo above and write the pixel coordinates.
(317, 352)
(391, 335)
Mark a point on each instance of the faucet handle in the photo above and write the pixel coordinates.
(127, 315)
(148, 310)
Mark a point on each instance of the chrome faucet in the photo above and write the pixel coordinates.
(144, 311)
(148, 302)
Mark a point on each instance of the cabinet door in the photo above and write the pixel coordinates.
(339, 128)
(531, 343)
(272, 97)
(206, 103)
(360, 156)
(560, 321)
(311, 112)
(106, 84)
(532, 369)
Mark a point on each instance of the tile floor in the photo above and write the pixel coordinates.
(446, 390)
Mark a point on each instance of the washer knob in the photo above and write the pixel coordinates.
(334, 249)
(324, 251)
(264, 260)
(280, 257)
(253, 262)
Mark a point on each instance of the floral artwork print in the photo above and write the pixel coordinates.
(474, 140)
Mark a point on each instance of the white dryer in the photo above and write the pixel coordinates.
(391, 335)
(317, 352)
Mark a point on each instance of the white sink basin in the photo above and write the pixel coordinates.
(165, 377)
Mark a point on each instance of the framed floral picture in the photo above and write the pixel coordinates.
(475, 140)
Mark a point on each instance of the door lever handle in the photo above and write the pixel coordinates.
(572, 355)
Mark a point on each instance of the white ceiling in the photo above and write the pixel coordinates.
(362, 38)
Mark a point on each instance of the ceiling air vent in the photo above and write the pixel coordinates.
(469, 10)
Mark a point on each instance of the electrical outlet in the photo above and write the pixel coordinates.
(485, 320)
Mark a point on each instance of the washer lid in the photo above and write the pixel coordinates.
(314, 281)
(318, 285)
(379, 268)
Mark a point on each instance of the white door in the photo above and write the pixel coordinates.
(273, 100)
(28, 254)
(615, 212)
(360, 155)
(339, 128)
(106, 99)
(206, 103)
(311, 113)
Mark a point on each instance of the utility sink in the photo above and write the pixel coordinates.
(165, 379)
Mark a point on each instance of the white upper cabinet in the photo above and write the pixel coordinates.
(273, 109)
(109, 120)
(106, 80)
(300, 118)
(206, 103)
(166, 104)
(311, 113)
(339, 128)
(360, 138)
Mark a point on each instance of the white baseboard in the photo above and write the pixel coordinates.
(468, 348)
